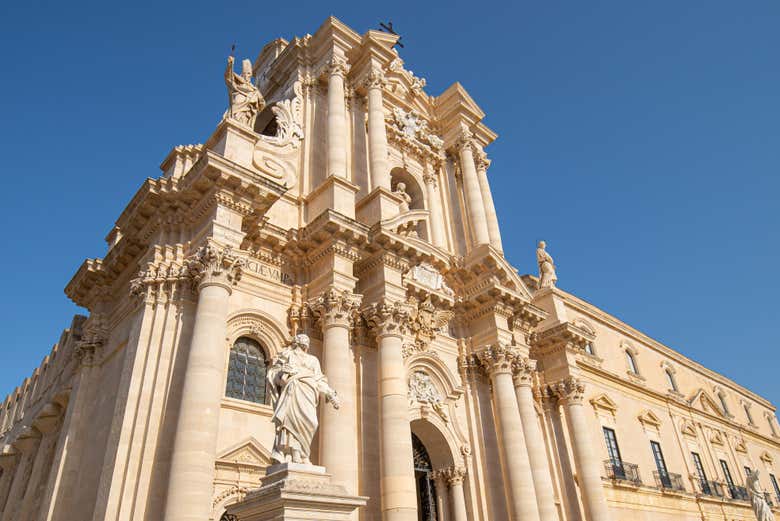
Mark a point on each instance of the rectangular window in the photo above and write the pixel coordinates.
(748, 471)
(705, 484)
(776, 487)
(660, 464)
(727, 474)
(614, 452)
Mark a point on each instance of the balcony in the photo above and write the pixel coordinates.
(739, 493)
(622, 471)
(669, 481)
(711, 488)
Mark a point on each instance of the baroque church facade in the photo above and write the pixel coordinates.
(343, 201)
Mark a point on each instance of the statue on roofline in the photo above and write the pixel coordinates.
(296, 382)
(244, 97)
(547, 276)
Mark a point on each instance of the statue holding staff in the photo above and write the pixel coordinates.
(244, 97)
(296, 383)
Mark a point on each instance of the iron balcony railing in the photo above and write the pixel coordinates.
(668, 481)
(623, 471)
(739, 493)
(711, 488)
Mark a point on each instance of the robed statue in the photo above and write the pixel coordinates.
(296, 383)
(547, 276)
(245, 99)
(757, 499)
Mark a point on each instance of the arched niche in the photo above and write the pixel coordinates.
(413, 188)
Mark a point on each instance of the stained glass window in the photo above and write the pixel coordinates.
(246, 371)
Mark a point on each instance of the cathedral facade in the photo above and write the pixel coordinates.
(337, 198)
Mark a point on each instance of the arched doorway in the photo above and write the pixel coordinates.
(426, 488)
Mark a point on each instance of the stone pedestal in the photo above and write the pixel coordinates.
(379, 205)
(296, 492)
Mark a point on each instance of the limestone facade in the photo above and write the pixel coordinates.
(467, 394)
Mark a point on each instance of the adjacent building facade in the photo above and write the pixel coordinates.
(351, 205)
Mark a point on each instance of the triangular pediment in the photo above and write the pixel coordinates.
(247, 452)
(716, 438)
(688, 429)
(767, 458)
(604, 403)
(702, 400)
(648, 417)
(740, 446)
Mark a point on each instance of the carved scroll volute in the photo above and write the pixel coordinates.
(523, 370)
(497, 359)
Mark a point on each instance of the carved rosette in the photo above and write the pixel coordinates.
(570, 390)
(336, 308)
(497, 359)
(213, 264)
(523, 369)
(389, 318)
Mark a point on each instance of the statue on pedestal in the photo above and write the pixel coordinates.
(757, 499)
(245, 99)
(406, 199)
(296, 383)
(547, 276)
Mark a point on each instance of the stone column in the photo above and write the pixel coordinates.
(27, 443)
(434, 206)
(497, 361)
(537, 453)
(389, 322)
(455, 476)
(570, 394)
(338, 431)
(442, 495)
(494, 231)
(190, 487)
(337, 133)
(377, 135)
(475, 205)
(9, 459)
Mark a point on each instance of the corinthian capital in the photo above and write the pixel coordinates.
(337, 66)
(214, 264)
(375, 79)
(523, 370)
(389, 318)
(455, 474)
(497, 358)
(568, 390)
(465, 141)
(336, 307)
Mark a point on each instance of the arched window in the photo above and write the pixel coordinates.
(632, 367)
(426, 489)
(246, 371)
(723, 404)
(671, 380)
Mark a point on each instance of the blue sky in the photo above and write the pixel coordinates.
(640, 139)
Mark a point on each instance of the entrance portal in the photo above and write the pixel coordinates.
(426, 488)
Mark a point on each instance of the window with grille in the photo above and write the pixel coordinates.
(246, 371)
(705, 485)
(775, 486)
(660, 463)
(727, 474)
(748, 471)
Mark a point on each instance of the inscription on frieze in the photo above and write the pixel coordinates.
(268, 271)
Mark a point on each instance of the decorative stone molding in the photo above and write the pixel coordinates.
(94, 335)
(427, 321)
(389, 318)
(427, 276)
(497, 358)
(375, 79)
(337, 66)
(604, 403)
(688, 429)
(649, 419)
(569, 390)
(410, 128)
(336, 308)
(213, 264)
(453, 475)
(523, 369)
(422, 390)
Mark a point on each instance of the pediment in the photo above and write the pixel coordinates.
(702, 400)
(716, 438)
(648, 417)
(604, 403)
(767, 458)
(740, 445)
(688, 429)
(247, 452)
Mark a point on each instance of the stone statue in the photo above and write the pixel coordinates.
(757, 499)
(245, 100)
(406, 199)
(547, 276)
(296, 383)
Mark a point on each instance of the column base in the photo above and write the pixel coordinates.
(296, 492)
(379, 205)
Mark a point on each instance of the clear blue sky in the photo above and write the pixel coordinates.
(640, 139)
